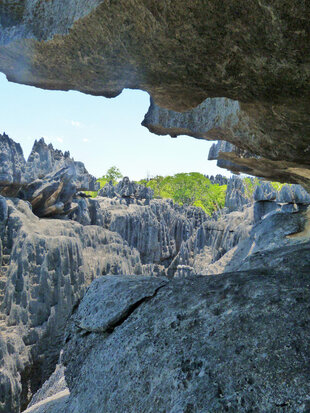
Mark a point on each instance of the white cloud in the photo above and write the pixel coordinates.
(59, 140)
(85, 140)
(76, 124)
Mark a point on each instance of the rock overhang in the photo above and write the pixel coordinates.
(183, 54)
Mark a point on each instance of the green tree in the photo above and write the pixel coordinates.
(189, 189)
(113, 174)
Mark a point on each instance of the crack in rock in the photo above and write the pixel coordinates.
(110, 300)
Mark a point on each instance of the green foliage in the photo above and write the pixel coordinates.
(113, 174)
(249, 186)
(93, 194)
(251, 183)
(277, 185)
(189, 189)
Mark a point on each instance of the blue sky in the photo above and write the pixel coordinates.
(99, 132)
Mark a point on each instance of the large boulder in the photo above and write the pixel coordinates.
(228, 343)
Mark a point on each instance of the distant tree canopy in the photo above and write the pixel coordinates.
(189, 189)
(113, 174)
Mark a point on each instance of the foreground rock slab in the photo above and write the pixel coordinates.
(236, 342)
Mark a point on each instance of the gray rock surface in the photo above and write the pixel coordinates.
(130, 191)
(279, 240)
(12, 162)
(211, 242)
(45, 269)
(44, 159)
(236, 197)
(48, 180)
(52, 395)
(156, 229)
(243, 159)
(228, 343)
(265, 192)
(113, 305)
(218, 179)
(293, 194)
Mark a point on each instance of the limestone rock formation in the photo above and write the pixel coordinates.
(208, 344)
(44, 159)
(231, 157)
(48, 180)
(46, 266)
(236, 196)
(218, 179)
(156, 229)
(243, 146)
(12, 163)
(130, 191)
(212, 240)
(53, 395)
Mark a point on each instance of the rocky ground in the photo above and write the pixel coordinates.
(136, 252)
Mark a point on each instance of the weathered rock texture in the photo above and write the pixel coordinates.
(156, 228)
(12, 162)
(238, 160)
(244, 146)
(178, 240)
(132, 192)
(230, 343)
(183, 53)
(46, 267)
(48, 180)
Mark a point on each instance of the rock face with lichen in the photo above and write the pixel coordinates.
(203, 344)
(253, 56)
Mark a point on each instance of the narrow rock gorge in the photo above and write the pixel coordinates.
(128, 303)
